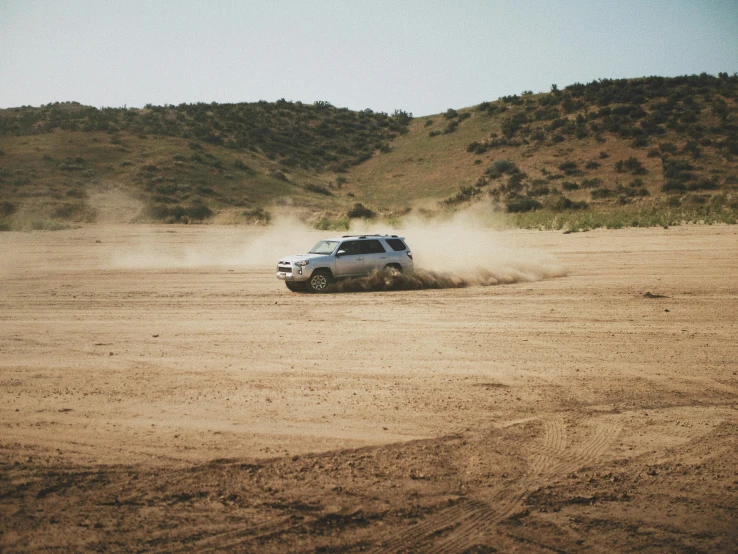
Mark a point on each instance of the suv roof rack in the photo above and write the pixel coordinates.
(365, 236)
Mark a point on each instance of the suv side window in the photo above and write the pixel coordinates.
(352, 247)
(372, 247)
(396, 244)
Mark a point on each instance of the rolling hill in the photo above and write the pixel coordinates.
(623, 148)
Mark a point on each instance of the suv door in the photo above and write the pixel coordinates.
(375, 255)
(351, 260)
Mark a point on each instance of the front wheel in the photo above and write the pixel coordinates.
(319, 281)
(295, 287)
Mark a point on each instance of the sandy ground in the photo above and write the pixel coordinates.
(176, 402)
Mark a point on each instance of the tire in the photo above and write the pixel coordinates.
(319, 281)
(295, 287)
(393, 268)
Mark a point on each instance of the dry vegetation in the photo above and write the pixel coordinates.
(648, 151)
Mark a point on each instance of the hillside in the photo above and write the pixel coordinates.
(603, 146)
(607, 147)
(71, 162)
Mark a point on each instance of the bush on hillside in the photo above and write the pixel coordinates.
(465, 194)
(318, 189)
(569, 168)
(521, 204)
(501, 167)
(603, 192)
(564, 203)
(180, 214)
(7, 208)
(360, 211)
(257, 215)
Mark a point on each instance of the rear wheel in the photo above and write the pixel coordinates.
(319, 281)
(393, 268)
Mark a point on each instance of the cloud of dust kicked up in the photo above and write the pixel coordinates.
(452, 253)
(458, 252)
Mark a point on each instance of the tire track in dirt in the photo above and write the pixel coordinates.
(445, 521)
(554, 443)
(589, 451)
(472, 521)
(230, 538)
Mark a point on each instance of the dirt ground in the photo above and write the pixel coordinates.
(175, 402)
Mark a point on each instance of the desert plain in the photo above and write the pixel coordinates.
(163, 392)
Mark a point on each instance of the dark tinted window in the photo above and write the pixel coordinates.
(351, 247)
(396, 244)
(372, 247)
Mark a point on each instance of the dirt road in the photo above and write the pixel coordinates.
(161, 395)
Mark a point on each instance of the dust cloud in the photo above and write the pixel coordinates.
(457, 252)
(193, 246)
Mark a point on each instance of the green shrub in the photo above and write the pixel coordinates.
(477, 148)
(514, 182)
(7, 208)
(602, 193)
(451, 127)
(318, 189)
(674, 186)
(569, 167)
(257, 215)
(564, 203)
(640, 142)
(635, 166)
(360, 211)
(180, 214)
(677, 170)
(327, 224)
(521, 204)
(704, 184)
(69, 211)
(500, 167)
(667, 148)
(464, 194)
(539, 190)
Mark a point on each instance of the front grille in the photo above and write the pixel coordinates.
(284, 268)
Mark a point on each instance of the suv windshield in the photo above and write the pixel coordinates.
(324, 247)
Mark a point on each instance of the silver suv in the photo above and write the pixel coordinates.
(347, 256)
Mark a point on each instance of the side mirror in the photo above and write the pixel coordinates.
(340, 253)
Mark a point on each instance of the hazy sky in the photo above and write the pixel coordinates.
(420, 56)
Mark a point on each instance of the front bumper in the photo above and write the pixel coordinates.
(295, 274)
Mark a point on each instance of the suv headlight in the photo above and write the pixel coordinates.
(302, 263)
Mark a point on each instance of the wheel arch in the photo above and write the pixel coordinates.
(323, 268)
